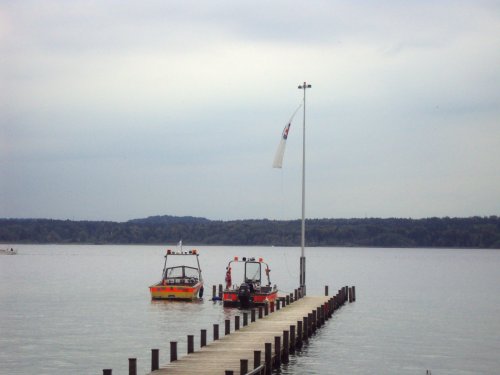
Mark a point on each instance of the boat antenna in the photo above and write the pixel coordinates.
(303, 87)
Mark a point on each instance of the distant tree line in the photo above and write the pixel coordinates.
(472, 232)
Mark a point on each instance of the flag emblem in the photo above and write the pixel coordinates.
(280, 152)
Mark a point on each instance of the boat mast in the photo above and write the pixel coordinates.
(303, 232)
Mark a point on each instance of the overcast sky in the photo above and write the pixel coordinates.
(117, 110)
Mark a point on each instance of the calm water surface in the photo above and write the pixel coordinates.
(80, 309)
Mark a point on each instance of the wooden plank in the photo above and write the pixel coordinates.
(226, 353)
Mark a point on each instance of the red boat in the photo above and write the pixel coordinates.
(251, 291)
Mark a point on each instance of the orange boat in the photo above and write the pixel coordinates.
(179, 282)
(251, 291)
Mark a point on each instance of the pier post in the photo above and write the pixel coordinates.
(214, 292)
(286, 345)
(229, 372)
(309, 325)
(260, 312)
(220, 291)
(216, 332)
(107, 371)
(266, 309)
(353, 293)
(326, 290)
(277, 351)
(305, 328)
(350, 294)
(227, 327)
(155, 359)
(190, 347)
(287, 300)
(173, 351)
(243, 366)
(300, 334)
(252, 315)
(293, 340)
(271, 305)
(203, 338)
(132, 366)
(245, 319)
(295, 294)
(256, 358)
(236, 322)
(268, 357)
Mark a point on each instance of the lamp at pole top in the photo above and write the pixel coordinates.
(304, 86)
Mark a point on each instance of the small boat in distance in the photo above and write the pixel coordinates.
(10, 251)
(251, 291)
(179, 282)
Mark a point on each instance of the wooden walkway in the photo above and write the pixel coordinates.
(280, 331)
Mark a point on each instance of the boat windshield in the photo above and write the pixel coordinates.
(180, 272)
(252, 272)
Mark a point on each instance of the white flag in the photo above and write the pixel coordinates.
(280, 152)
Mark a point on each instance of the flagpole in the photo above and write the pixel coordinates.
(303, 232)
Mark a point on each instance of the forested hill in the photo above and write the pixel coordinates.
(472, 232)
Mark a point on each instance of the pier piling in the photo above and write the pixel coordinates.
(277, 351)
(286, 345)
(132, 366)
(190, 345)
(245, 319)
(293, 342)
(256, 358)
(243, 366)
(203, 338)
(155, 359)
(216, 332)
(173, 351)
(268, 357)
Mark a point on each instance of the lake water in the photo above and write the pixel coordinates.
(79, 309)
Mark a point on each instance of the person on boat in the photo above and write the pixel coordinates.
(228, 277)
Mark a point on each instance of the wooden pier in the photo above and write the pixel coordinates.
(257, 341)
